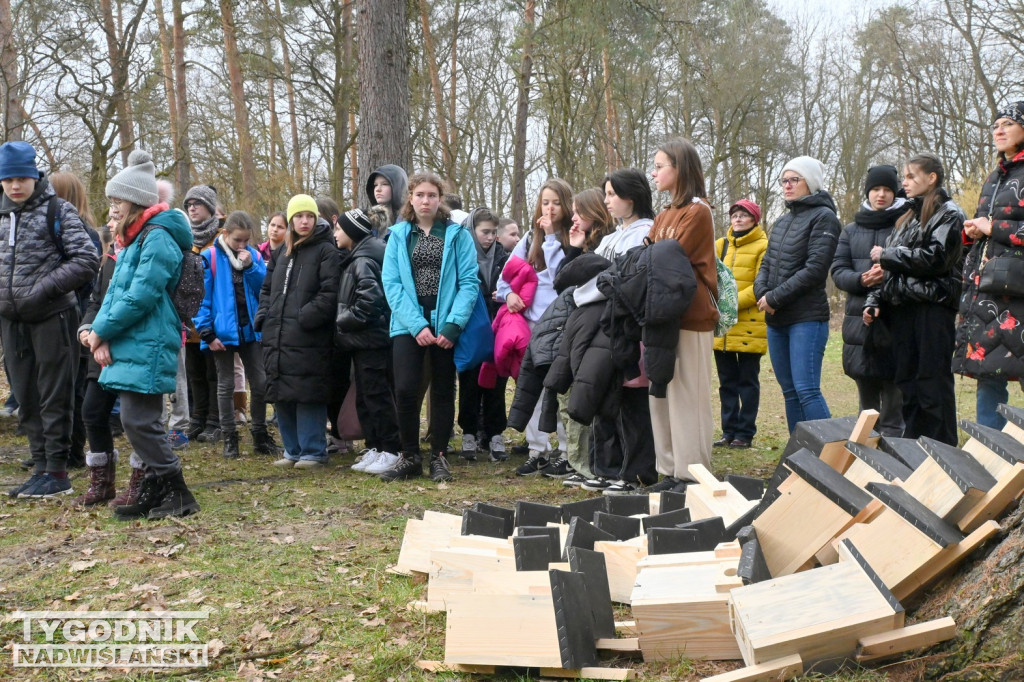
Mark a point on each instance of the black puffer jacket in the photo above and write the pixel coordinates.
(107, 266)
(35, 282)
(545, 340)
(298, 303)
(362, 321)
(586, 365)
(648, 291)
(923, 263)
(801, 246)
(866, 353)
(989, 338)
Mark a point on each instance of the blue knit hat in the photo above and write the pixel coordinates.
(18, 160)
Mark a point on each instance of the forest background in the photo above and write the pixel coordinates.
(268, 98)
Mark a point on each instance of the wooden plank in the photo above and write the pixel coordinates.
(421, 536)
(915, 636)
(501, 629)
(894, 548)
(705, 478)
(627, 628)
(1008, 488)
(861, 473)
(944, 562)
(623, 644)
(442, 667)
(593, 673)
(452, 571)
(836, 455)
(934, 488)
(620, 560)
(777, 670)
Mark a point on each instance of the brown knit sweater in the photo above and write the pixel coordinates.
(693, 227)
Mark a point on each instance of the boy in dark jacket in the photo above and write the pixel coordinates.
(362, 331)
(40, 271)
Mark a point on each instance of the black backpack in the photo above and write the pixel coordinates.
(187, 295)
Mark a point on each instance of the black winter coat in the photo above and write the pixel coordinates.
(586, 365)
(35, 281)
(801, 246)
(923, 263)
(99, 291)
(361, 320)
(990, 337)
(298, 303)
(648, 290)
(867, 353)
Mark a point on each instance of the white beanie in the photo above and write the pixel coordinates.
(137, 182)
(810, 169)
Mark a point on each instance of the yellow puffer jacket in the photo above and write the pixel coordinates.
(743, 257)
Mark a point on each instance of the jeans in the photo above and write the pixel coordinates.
(796, 351)
(739, 388)
(302, 430)
(991, 392)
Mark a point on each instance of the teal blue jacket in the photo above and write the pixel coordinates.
(137, 317)
(456, 293)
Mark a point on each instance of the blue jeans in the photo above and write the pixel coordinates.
(991, 392)
(303, 430)
(796, 351)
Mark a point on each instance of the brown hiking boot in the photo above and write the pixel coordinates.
(131, 492)
(102, 474)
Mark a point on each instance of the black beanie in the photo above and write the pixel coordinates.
(882, 176)
(355, 224)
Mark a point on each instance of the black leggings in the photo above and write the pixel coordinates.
(408, 359)
(96, 410)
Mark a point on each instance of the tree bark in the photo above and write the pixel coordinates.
(435, 85)
(342, 27)
(10, 87)
(241, 113)
(183, 152)
(289, 87)
(119, 78)
(166, 66)
(350, 109)
(522, 114)
(384, 87)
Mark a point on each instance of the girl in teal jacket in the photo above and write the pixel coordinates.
(136, 334)
(430, 282)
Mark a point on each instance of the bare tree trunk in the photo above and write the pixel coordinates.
(119, 76)
(10, 87)
(384, 87)
(522, 113)
(183, 152)
(453, 133)
(238, 104)
(353, 161)
(609, 109)
(289, 87)
(435, 84)
(342, 25)
(166, 59)
(349, 90)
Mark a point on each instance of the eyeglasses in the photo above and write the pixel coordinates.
(786, 182)
(659, 166)
(190, 204)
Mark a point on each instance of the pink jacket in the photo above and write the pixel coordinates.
(511, 330)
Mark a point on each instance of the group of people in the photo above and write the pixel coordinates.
(605, 313)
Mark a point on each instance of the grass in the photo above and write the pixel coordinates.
(292, 565)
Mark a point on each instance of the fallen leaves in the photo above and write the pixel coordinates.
(82, 566)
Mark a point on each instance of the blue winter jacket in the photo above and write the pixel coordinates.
(456, 293)
(137, 317)
(219, 311)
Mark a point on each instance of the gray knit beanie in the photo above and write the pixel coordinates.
(205, 195)
(137, 182)
(810, 169)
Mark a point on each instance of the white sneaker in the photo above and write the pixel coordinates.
(367, 458)
(468, 447)
(385, 462)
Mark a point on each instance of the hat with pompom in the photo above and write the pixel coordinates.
(137, 182)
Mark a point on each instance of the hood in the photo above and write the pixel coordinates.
(370, 247)
(399, 185)
(816, 200)
(176, 223)
(580, 270)
(40, 195)
(751, 235)
(875, 219)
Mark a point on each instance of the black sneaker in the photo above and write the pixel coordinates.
(533, 465)
(31, 482)
(574, 480)
(620, 488)
(559, 468)
(667, 483)
(48, 486)
(406, 468)
(211, 434)
(439, 471)
(722, 442)
(598, 484)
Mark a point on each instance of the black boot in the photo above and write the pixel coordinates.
(263, 443)
(231, 445)
(177, 499)
(151, 492)
(439, 471)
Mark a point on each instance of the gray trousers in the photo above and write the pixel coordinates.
(42, 361)
(179, 415)
(252, 359)
(141, 416)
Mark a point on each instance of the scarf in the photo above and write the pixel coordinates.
(133, 230)
(875, 219)
(204, 232)
(232, 258)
